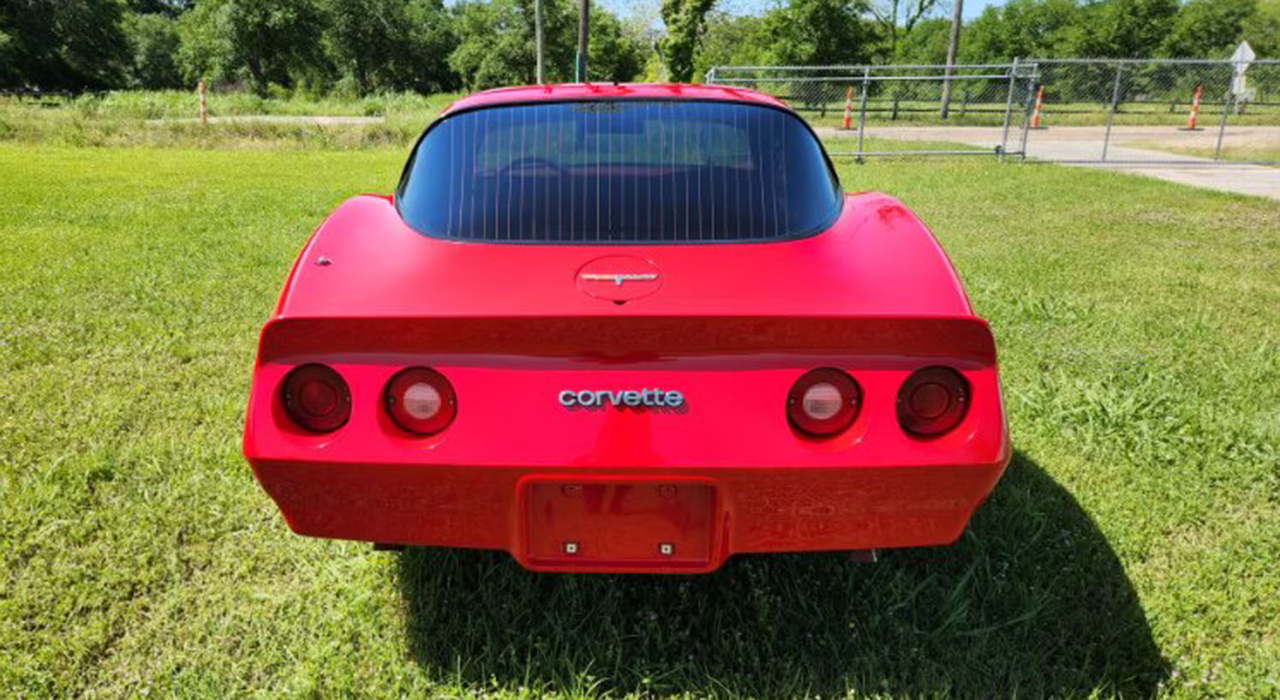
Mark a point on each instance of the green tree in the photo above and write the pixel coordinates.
(9, 76)
(1120, 28)
(897, 19)
(817, 33)
(168, 8)
(62, 44)
(1262, 31)
(1208, 28)
(260, 41)
(684, 20)
(391, 44)
(927, 43)
(431, 40)
(153, 42)
(1020, 29)
(365, 38)
(729, 40)
(614, 53)
(496, 44)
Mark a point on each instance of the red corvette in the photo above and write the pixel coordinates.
(625, 328)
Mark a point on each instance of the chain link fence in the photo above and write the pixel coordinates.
(1193, 112)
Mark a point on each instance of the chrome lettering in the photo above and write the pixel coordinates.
(623, 398)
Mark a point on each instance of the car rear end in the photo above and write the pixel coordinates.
(626, 334)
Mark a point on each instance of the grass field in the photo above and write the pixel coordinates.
(925, 113)
(1266, 152)
(1132, 549)
(168, 119)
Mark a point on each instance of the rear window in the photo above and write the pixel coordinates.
(625, 171)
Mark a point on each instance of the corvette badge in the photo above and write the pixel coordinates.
(619, 277)
(632, 398)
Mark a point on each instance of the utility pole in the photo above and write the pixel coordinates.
(952, 49)
(537, 30)
(584, 20)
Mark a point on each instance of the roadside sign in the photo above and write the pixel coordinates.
(1241, 60)
(1244, 54)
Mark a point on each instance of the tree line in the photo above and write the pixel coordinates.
(850, 32)
(367, 46)
(316, 46)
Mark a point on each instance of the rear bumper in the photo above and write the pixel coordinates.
(746, 510)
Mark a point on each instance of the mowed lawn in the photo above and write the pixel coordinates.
(1132, 549)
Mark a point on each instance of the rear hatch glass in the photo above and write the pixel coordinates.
(623, 171)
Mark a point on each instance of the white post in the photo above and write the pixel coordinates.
(204, 103)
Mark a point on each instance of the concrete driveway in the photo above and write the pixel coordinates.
(1132, 149)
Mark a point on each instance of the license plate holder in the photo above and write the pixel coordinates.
(618, 523)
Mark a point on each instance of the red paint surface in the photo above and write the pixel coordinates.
(610, 91)
(731, 326)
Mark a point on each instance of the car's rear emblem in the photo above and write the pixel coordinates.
(633, 398)
(619, 278)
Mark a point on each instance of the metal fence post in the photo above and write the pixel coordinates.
(1148, 89)
(1227, 99)
(1008, 108)
(1111, 114)
(1032, 81)
(862, 111)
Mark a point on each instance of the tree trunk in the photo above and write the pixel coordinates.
(584, 21)
(538, 40)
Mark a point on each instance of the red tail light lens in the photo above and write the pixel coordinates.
(316, 398)
(932, 401)
(823, 402)
(421, 401)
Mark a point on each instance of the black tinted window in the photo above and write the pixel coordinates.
(624, 171)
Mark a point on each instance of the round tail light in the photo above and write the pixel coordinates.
(316, 398)
(421, 400)
(823, 402)
(932, 401)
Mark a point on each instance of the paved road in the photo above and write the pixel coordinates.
(1085, 144)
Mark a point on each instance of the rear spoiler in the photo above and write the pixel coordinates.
(629, 338)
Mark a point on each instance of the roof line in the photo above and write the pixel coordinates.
(610, 90)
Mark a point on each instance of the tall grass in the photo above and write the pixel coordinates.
(178, 104)
(168, 119)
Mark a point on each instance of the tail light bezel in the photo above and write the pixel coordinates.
(293, 388)
(399, 384)
(851, 404)
(959, 395)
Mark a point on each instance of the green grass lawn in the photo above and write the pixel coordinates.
(1133, 547)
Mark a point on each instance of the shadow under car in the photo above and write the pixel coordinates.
(1030, 601)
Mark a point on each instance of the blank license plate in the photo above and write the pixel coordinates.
(606, 524)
